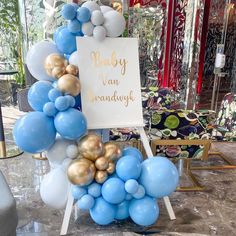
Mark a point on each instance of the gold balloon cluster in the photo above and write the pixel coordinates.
(57, 67)
(95, 161)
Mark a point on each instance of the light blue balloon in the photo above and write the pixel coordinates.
(128, 167)
(54, 84)
(83, 14)
(86, 202)
(94, 190)
(49, 109)
(34, 132)
(53, 94)
(122, 211)
(66, 41)
(78, 192)
(70, 124)
(132, 152)
(113, 190)
(75, 5)
(131, 186)
(128, 197)
(38, 94)
(103, 213)
(159, 177)
(57, 31)
(74, 26)
(144, 211)
(68, 11)
(62, 103)
(71, 100)
(140, 193)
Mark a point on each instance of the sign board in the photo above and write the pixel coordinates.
(110, 82)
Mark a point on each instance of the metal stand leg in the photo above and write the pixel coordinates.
(180, 166)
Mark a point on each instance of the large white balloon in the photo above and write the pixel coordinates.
(91, 5)
(114, 23)
(57, 153)
(54, 188)
(73, 60)
(105, 9)
(36, 57)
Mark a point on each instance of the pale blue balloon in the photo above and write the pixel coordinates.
(74, 26)
(62, 103)
(94, 190)
(71, 100)
(132, 151)
(128, 167)
(70, 124)
(159, 177)
(103, 213)
(86, 202)
(122, 211)
(49, 109)
(38, 94)
(78, 192)
(131, 186)
(128, 197)
(140, 193)
(34, 132)
(144, 211)
(113, 190)
(53, 94)
(68, 11)
(83, 14)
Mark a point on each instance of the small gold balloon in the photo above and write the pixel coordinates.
(112, 151)
(72, 69)
(101, 163)
(55, 65)
(101, 176)
(69, 84)
(111, 168)
(81, 172)
(91, 147)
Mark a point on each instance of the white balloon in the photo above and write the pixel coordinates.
(105, 9)
(65, 164)
(72, 151)
(36, 56)
(99, 33)
(54, 189)
(87, 28)
(114, 23)
(57, 153)
(91, 5)
(73, 60)
(97, 17)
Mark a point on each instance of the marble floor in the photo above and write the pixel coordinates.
(210, 212)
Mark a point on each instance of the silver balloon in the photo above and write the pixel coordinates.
(105, 9)
(99, 33)
(97, 17)
(87, 28)
(91, 5)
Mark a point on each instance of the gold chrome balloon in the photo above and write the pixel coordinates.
(111, 168)
(101, 163)
(112, 151)
(101, 176)
(69, 84)
(90, 147)
(72, 69)
(81, 172)
(55, 65)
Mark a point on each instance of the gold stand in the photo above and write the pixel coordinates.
(6, 154)
(39, 156)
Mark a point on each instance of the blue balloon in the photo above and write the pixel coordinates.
(57, 31)
(74, 26)
(71, 100)
(144, 211)
(54, 94)
(113, 190)
(70, 124)
(83, 14)
(78, 192)
(62, 103)
(94, 189)
(131, 186)
(132, 152)
(78, 102)
(34, 132)
(103, 213)
(75, 5)
(128, 196)
(66, 41)
(49, 109)
(122, 211)
(68, 11)
(128, 167)
(38, 94)
(140, 193)
(54, 84)
(159, 177)
(79, 34)
(86, 202)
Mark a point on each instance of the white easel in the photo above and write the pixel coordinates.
(70, 201)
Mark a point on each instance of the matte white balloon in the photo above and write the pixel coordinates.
(36, 57)
(105, 9)
(72, 151)
(73, 60)
(91, 5)
(99, 33)
(54, 189)
(65, 164)
(114, 23)
(97, 17)
(87, 28)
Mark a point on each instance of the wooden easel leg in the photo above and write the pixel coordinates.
(148, 150)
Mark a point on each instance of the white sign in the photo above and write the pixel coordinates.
(110, 82)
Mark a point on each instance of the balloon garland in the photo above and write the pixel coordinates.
(111, 183)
